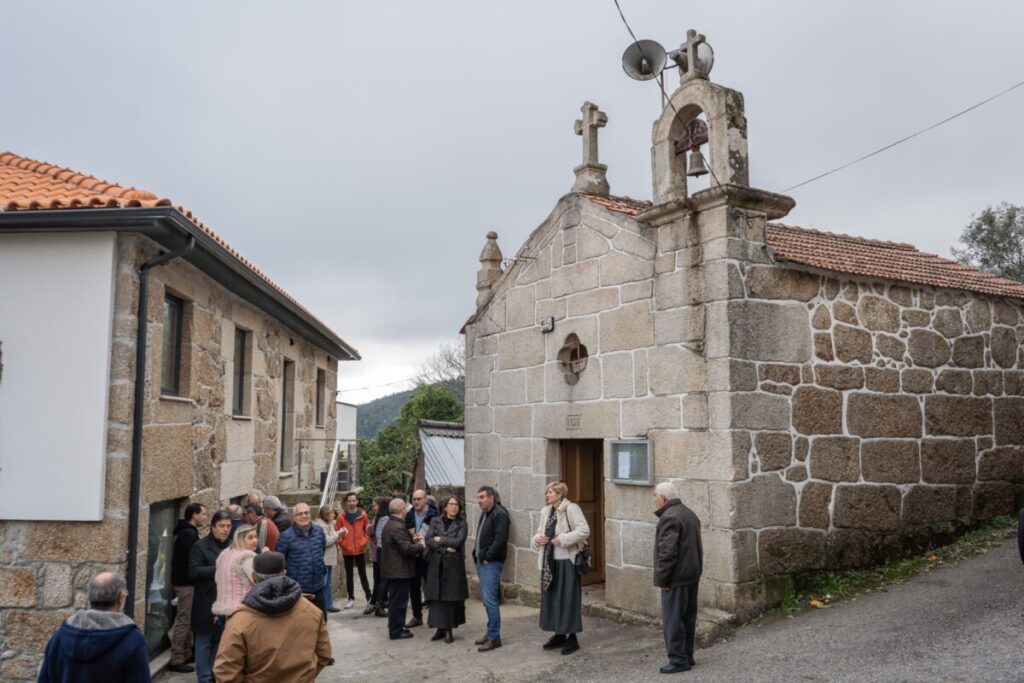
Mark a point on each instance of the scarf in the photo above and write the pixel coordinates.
(547, 574)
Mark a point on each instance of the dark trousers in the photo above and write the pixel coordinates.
(360, 562)
(320, 600)
(679, 619)
(398, 601)
(379, 596)
(416, 595)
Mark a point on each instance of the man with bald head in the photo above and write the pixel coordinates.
(99, 644)
(418, 519)
(302, 545)
(399, 550)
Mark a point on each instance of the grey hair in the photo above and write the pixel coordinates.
(105, 590)
(395, 506)
(272, 502)
(235, 511)
(666, 490)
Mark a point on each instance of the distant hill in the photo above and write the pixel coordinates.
(380, 412)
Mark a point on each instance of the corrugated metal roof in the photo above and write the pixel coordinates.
(443, 453)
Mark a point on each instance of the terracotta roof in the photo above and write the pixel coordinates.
(26, 185)
(861, 256)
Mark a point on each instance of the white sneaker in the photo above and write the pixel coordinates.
(350, 604)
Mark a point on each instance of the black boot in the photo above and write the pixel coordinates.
(554, 642)
(438, 635)
(449, 637)
(571, 645)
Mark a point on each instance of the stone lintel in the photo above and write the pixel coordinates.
(773, 205)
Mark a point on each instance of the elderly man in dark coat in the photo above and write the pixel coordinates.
(399, 551)
(678, 563)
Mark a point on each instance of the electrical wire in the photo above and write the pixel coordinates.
(377, 386)
(908, 137)
(661, 84)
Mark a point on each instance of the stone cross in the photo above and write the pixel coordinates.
(590, 175)
(689, 48)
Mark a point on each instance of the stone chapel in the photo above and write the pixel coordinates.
(820, 400)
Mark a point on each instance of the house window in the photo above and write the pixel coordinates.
(240, 382)
(159, 592)
(170, 371)
(321, 388)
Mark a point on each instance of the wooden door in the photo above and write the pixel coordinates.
(583, 473)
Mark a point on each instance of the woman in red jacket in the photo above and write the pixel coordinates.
(352, 523)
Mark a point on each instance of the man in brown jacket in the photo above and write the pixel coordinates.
(276, 635)
(399, 548)
(678, 563)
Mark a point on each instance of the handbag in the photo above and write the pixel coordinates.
(584, 562)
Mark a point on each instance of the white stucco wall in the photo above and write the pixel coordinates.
(347, 422)
(56, 301)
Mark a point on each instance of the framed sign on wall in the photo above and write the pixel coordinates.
(631, 462)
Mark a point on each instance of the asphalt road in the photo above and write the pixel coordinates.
(958, 623)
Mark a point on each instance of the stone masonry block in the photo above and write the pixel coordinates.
(929, 504)
(639, 416)
(770, 282)
(679, 325)
(520, 303)
(748, 410)
(872, 508)
(1009, 421)
(638, 543)
(729, 556)
(768, 332)
(17, 586)
(852, 344)
(520, 349)
(947, 461)
(594, 419)
(817, 411)
(774, 450)
(878, 315)
(627, 327)
(676, 370)
(617, 375)
(593, 301)
(700, 455)
(513, 420)
(1003, 464)
(815, 499)
(957, 416)
(29, 631)
(890, 461)
(835, 458)
(508, 387)
(618, 268)
(786, 551)
(763, 501)
(928, 349)
(871, 415)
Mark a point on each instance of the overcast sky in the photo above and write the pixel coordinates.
(358, 153)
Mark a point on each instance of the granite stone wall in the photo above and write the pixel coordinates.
(193, 448)
(810, 420)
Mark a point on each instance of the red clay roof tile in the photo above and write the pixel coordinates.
(860, 256)
(26, 184)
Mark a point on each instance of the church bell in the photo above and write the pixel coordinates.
(695, 165)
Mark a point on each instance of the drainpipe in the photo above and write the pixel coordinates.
(140, 395)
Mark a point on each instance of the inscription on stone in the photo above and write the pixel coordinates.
(572, 423)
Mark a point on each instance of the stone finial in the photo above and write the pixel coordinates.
(590, 175)
(693, 61)
(490, 267)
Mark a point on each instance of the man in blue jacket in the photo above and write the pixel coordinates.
(302, 545)
(100, 644)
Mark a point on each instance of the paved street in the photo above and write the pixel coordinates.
(961, 623)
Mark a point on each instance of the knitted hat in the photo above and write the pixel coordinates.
(268, 563)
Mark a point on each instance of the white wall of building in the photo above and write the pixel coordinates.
(56, 302)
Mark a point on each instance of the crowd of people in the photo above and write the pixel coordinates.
(254, 594)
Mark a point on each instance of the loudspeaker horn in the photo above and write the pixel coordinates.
(644, 60)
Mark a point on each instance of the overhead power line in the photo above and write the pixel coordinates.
(378, 386)
(858, 159)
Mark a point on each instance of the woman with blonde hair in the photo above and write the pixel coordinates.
(560, 537)
(233, 575)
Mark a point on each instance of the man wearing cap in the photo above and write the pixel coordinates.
(276, 635)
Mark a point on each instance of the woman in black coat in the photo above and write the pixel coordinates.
(446, 587)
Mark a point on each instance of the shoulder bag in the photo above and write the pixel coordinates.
(584, 562)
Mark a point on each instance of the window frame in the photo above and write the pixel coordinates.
(320, 412)
(240, 391)
(176, 306)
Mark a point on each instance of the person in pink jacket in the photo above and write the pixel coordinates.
(234, 571)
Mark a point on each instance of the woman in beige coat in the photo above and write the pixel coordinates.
(563, 530)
